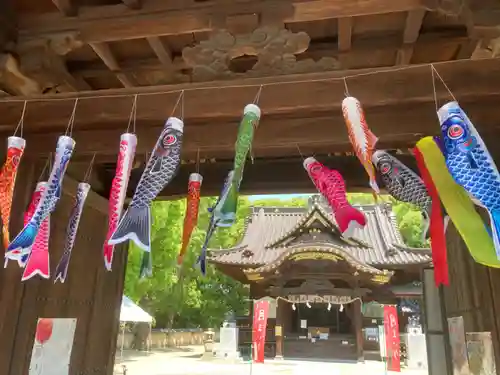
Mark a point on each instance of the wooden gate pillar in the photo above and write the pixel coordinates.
(91, 295)
(474, 291)
(358, 329)
(279, 329)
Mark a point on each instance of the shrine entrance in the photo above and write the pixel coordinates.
(319, 331)
(318, 278)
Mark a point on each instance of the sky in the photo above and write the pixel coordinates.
(282, 197)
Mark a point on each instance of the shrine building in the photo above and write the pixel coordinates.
(326, 287)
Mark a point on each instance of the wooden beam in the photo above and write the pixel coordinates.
(264, 176)
(106, 55)
(49, 70)
(13, 80)
(344, 34)
(164, 55)
(66, 7)
(282, 97)
(159, 17)
(413, 24)
(133, 4)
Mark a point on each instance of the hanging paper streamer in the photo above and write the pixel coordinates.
(362, 139)
(82, 191)
(128, 143)
(470, 163)
(438, 239)
(403, 184)
(50, 196)
(458, 205)
(38, 262)
(228, 204)
(332, 186)
(22, 257)
(191, 216)
(161, 168)
(15, 150)
(214, 220)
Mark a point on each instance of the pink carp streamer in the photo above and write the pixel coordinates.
(331, 185)
(38, 257)
(128, 143)
(191, 217)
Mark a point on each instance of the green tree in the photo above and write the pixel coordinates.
(196, 301)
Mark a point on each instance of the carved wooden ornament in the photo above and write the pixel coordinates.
(275, 49)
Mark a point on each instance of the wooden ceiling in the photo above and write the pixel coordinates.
(222, 51)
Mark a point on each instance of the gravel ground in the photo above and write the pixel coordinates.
(189, 363)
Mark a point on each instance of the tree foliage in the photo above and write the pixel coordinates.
(198, 301)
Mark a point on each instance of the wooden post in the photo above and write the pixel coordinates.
(358, 329)
(280, 309)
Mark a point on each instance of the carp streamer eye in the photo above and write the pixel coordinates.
(455, 131)
(385, 168)
(169, 140)
(315, 168)
(16, 159)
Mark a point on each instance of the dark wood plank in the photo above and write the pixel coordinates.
(157, 17)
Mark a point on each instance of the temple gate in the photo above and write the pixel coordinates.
(304, 55)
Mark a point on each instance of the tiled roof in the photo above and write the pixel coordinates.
(379, 244)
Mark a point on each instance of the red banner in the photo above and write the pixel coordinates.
(391, 328)
(260, 312)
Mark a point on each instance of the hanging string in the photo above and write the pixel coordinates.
(443, 82)
(20, 124)
(434, 88)
(69, 128)
(346, 89)
(300, 152)
(181, 95)
(182, 107)
(198, 161)
(88, 173)
(47, 164)
(133, 115)
(48, 98)
(257, 96)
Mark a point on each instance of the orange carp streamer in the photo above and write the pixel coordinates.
(15, 150)
(362, 139)
(192, 208)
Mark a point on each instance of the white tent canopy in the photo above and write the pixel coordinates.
(130, 312)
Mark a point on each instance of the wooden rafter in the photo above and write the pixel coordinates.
(361, 50)
(106, 55)
(344, 34)
(163, 53)
(413, 24)
(159, 17)
(66, 7)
